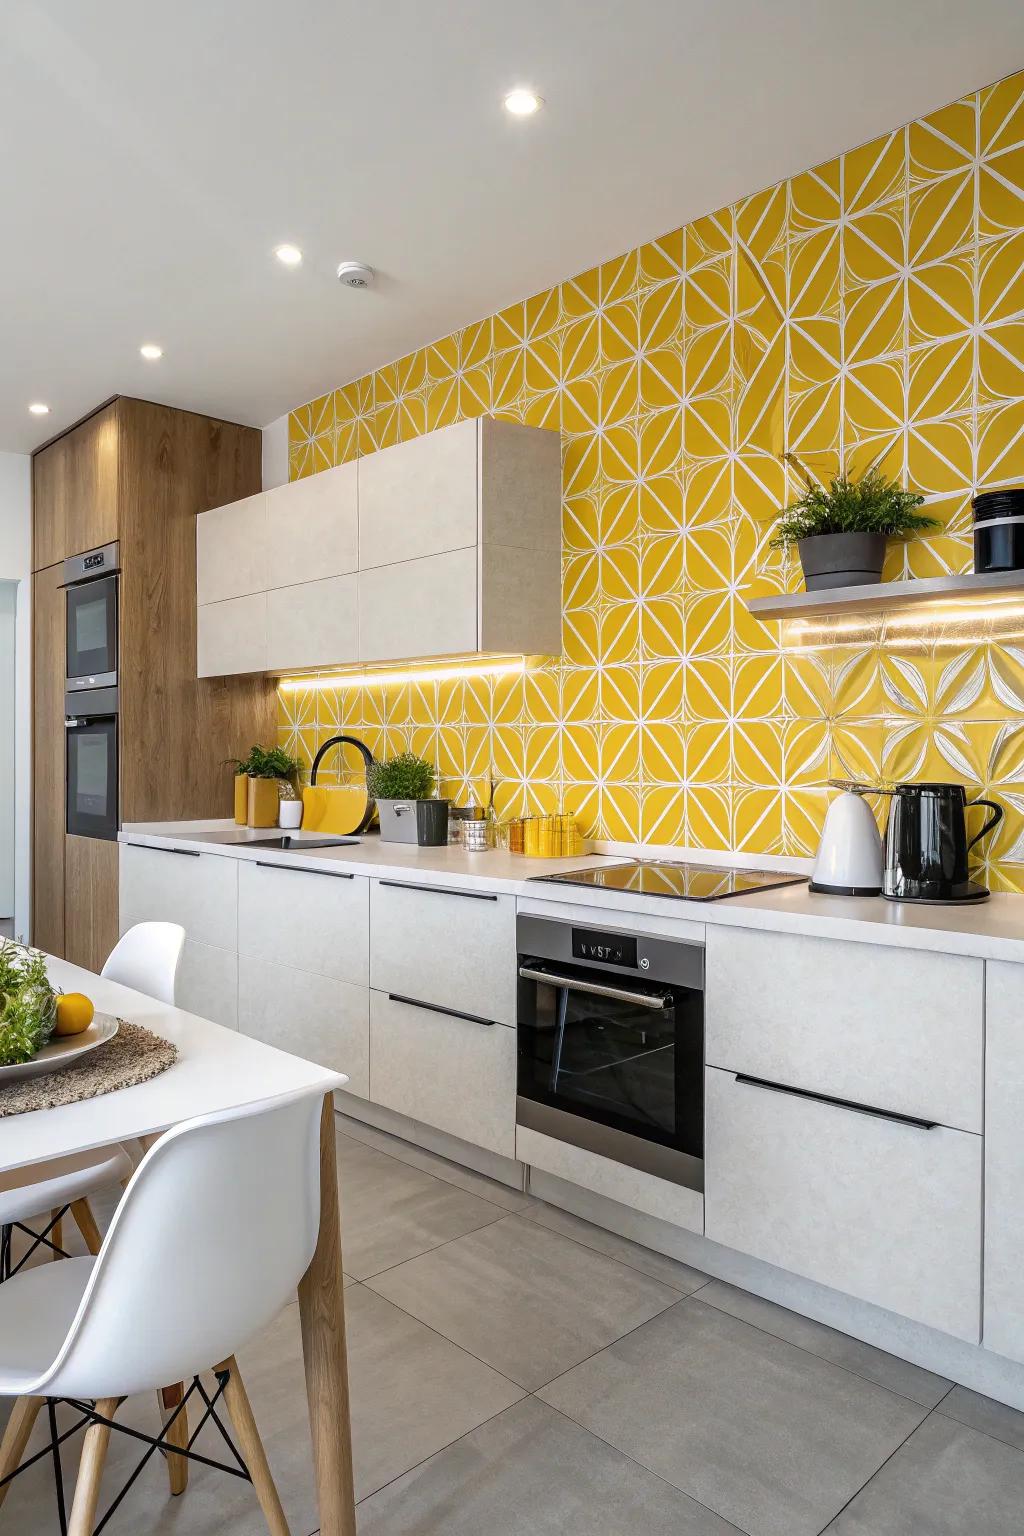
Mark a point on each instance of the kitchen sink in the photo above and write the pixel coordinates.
(287, 842)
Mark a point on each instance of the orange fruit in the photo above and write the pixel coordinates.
(74, 1013)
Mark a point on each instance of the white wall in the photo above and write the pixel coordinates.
(275, 453)
(16, 565)
(8, 654)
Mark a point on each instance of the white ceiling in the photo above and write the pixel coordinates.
(154, 156)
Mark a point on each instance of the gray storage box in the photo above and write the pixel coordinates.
(414, 821)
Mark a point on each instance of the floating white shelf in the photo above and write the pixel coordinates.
(885, 595)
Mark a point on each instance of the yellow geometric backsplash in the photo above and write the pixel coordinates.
(872, 306)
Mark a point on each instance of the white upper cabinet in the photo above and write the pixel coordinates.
(449, 544)
(313, 528)
(420, 497)
(231, 550)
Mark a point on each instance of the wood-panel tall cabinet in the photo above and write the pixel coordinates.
(139, 473)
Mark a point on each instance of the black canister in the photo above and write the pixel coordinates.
(999, 529)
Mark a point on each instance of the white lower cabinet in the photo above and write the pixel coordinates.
(869, 1205)
(197, 890)
(1004, 1159)
(318, 1017)
(445, 1070)
(309, 920)
(456, 948)
(207, 983)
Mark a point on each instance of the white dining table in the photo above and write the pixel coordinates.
(220, 1069)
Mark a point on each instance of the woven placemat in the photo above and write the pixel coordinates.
(133, 1056)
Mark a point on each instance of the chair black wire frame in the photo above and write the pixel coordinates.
(37, 1240)
(88, 1415)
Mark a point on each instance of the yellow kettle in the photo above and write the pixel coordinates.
(344, 809)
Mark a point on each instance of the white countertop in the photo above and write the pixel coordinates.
(993, 930)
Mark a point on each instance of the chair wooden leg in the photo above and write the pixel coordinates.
(85, 1221)
(56, 1232)
(251, 1445)
(90, 1471)
(16, 1436)
(177, 1466)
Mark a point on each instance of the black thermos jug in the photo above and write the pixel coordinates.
(926, 843)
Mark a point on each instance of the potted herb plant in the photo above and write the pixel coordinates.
(841, 530)
(403, 789)
(260, 782)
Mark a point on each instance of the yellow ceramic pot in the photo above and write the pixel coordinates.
(264, 799)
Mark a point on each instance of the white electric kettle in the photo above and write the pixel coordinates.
(849, 860)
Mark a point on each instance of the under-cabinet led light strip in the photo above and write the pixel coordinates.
(396, 677)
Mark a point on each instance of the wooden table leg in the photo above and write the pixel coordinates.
(322, 1313)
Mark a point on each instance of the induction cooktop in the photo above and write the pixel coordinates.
(685, 882)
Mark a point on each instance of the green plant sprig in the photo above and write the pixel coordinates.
(405, 777)
(28, 1003)
(267, 763)
(871, 504)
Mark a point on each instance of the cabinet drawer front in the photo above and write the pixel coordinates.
(312, 527)
(450, 1072)
(316, 1017)
(872, 1207)
(419, 608)
(1004, 1159)
(231, 550)
(313, 624)
(313, 922)
(199, 891)
(231, 637)
(894, 1027)
(453, 948)
(207, 983)
(419, 497)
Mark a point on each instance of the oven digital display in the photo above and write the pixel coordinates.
(607, 948)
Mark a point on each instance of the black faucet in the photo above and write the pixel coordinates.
(360, 746)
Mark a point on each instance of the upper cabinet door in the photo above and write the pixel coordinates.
(419, 608)
(231, 550)
(313, 527)
(420, 497)
(74, 491)
(312, 624)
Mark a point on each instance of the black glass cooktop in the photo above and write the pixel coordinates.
(686, 882)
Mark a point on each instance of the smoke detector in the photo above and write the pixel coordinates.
(355, 274)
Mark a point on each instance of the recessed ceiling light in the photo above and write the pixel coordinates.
(523, 102)
(288, 255)
(151, 351)
(39, 409)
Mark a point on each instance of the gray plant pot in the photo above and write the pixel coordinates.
(842, 559)
(414, 821)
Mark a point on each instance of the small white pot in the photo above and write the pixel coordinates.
(289, 814)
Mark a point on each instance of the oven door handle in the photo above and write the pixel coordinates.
(596, 989)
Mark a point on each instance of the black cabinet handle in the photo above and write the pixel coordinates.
(825, 1098)
(332, 874)
(452, 1013)
(438, 890)
(185, 853)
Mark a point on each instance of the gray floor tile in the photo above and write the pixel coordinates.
(771, 1437)
(528, 1471)
(658, 1265)
(946, 1481)
(528, 1301)
(984, 1413)
(412, 1391)
(864, 1360)
(391, 1212)
(430, 1162)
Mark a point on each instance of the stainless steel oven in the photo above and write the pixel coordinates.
(90, 581)
(611, 1045)
(91, 764)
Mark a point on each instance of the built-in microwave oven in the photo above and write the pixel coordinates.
(90, 582)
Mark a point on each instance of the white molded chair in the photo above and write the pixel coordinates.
(214, 1233)
(147, 958)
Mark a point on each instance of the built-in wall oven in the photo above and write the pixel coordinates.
(91, 692)
(611, 1045)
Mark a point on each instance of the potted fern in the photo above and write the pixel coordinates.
(403, 789)
(841, 530)
(262, 779)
